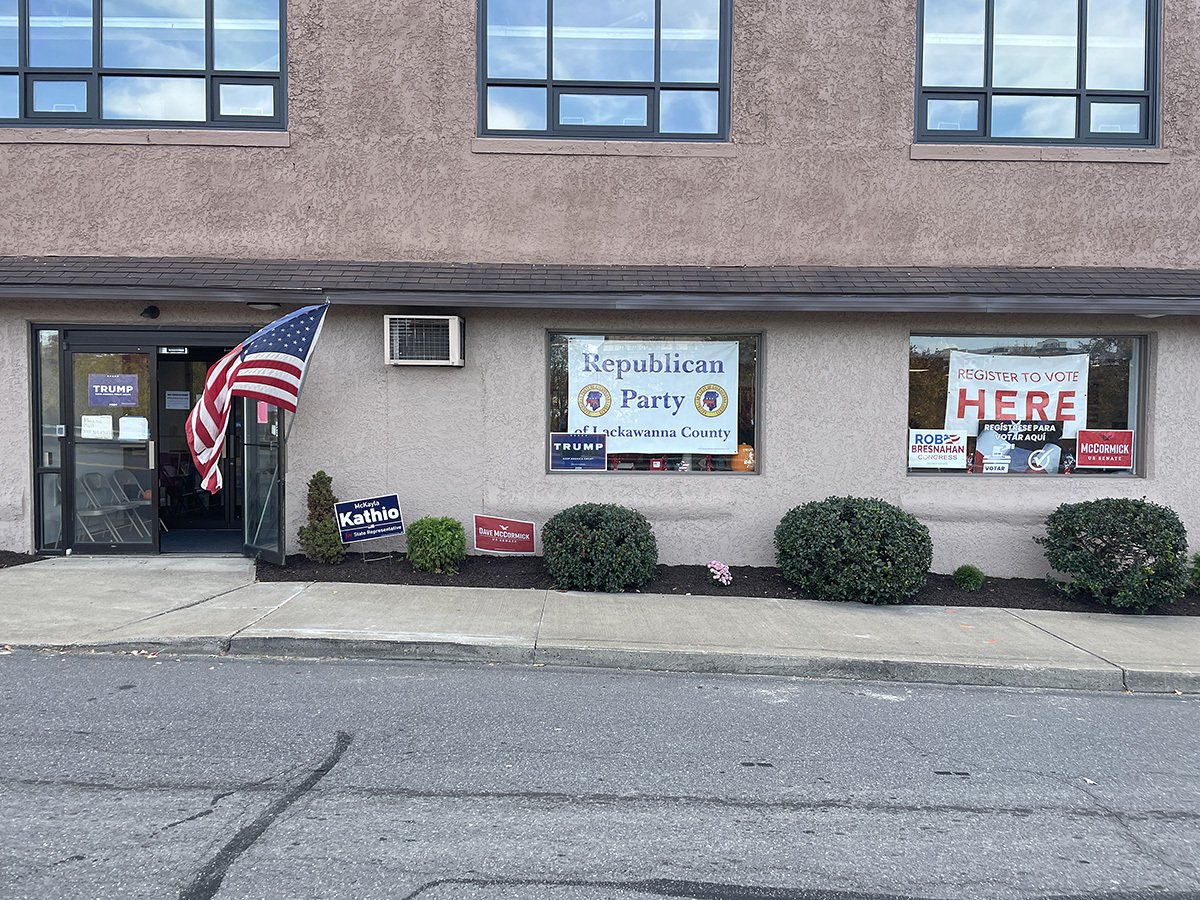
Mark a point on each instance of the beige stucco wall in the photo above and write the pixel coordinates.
(382, 116)
(834, 418)
(834, 413)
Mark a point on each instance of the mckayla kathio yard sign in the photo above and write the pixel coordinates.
(655, 396)
(369, 518)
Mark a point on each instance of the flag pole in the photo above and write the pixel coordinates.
(287, 436)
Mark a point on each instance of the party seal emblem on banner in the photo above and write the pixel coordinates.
(594, 400)
(711, 400)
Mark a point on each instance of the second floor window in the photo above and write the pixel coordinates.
(605, 68)
(127, 62)
(1049, 71)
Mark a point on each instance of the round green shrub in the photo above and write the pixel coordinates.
(599, 547)
(1127, 554)
(969, 578)
(850, 548)
(436, 544)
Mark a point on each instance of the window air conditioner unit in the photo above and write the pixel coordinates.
(423, 340)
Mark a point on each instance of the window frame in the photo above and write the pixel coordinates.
(96, 73)
(1150, 97)
(554, 87)
(760, 350)
(1139, 394)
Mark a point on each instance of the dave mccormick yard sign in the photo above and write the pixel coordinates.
(655, 396)
(366, 520)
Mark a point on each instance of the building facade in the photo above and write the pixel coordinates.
(773, 252)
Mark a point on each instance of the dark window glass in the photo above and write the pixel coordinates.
(247, 100)
(60, 33)
(153, 99)
(604, 68)
(246, 35)
(10, 94)
(1035, 70)
(115, 62)
(1024, 405)
(9, 40)
(60, 96)
(624, 110)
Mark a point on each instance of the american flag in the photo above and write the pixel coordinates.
(268, 366)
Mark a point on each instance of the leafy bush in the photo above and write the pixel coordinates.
(436, 544)
(599, 547)
(1195, 573)
(1128, 554)
(849, 548)
(320, 539)
(969, 578)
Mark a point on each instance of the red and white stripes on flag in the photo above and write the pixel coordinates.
(268, 366)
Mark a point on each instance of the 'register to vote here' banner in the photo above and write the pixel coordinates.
(1017, 388)
(655, 396)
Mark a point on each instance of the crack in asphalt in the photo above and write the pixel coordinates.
(553, 797)
(208, 880)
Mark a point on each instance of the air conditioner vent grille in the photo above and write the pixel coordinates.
(423, 340)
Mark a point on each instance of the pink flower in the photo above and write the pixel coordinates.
(720, 572)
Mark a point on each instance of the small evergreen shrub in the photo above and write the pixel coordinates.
(850, 548)
(969, 578)
(1128, 554)
(320, 539)
(1195, 573)
(436, 544)
(599, 547)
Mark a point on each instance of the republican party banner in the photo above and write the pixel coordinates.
(1017, 388)
(655, 396)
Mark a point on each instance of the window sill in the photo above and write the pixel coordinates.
(176, 137)
(560, 147)
(1015, 153)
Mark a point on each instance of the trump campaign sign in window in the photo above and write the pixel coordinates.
(670, 403)
(1022, 405)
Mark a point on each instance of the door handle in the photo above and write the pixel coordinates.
(153, 461)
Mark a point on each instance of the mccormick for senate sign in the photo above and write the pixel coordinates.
(496, 535)
(370, 518)
(1100, 449)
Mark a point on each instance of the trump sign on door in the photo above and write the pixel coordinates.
(655, 396)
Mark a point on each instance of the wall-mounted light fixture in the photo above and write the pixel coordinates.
(264, 307)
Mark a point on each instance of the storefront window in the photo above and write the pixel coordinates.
(677, 403)
(1024, 405)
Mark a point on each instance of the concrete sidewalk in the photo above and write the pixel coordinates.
(214, 606)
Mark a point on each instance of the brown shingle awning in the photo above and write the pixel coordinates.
(512, 285)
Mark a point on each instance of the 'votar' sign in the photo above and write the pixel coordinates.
(369, 519)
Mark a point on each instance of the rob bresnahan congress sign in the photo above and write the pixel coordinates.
(370, 518)
(1017, 388)
(655, 396)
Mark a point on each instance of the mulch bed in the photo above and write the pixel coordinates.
(748, 581)
(9, 558)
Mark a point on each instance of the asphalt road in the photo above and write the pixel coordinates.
(131, 777)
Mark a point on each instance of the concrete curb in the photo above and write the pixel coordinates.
(838, 667)
(1112, 679)
(352, 648)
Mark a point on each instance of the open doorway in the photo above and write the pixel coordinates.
(191, 519)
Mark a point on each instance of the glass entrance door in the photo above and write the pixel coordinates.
(263, 462)
(114, 491)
